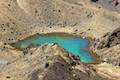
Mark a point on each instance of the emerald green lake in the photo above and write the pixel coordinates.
(73, 44)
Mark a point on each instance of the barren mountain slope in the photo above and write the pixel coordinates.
(90, 18)
(21, 18)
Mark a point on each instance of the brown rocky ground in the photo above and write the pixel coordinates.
(22, 18)
(47, 63)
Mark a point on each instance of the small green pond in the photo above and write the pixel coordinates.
(73, 44)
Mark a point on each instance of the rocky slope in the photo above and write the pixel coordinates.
(109, 39)
(96, 19)
(108, 47)
(22, 18)
(48, 63)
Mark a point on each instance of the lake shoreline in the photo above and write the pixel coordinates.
(66, 35)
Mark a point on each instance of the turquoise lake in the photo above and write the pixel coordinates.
(72, 44)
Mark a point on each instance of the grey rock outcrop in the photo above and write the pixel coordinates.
(108, 47)
(109, 39)
(113, 5)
